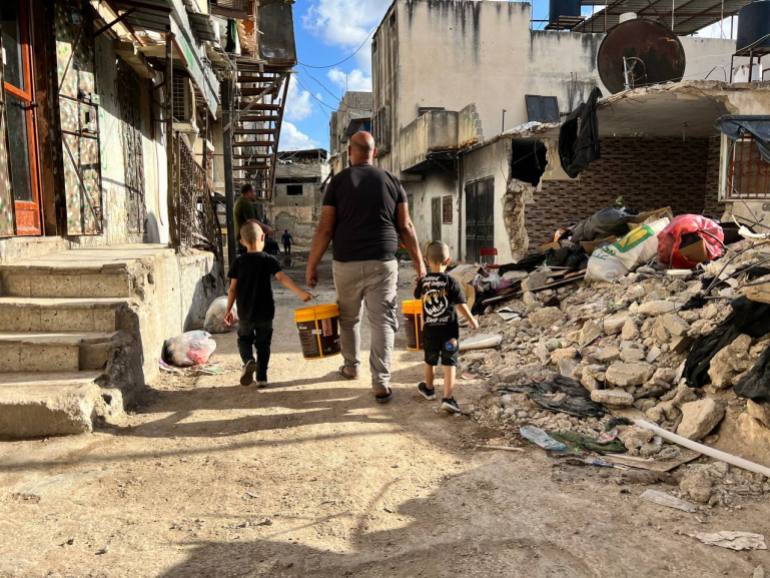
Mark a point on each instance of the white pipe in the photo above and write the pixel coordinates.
(705, 450)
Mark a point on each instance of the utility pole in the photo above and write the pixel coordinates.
(227, 101)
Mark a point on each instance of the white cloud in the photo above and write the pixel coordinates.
(353, 80)
(346, 23)
(293, 139)
(298, 105)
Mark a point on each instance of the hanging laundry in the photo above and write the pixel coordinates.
(579, 137)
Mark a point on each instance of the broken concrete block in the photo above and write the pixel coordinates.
(614, 323)
(546, 317)
(631, 353)
(634, 438)
(759, 411)
(653, 308)
(674, 324)
(590, 332)
(730, 362)
(664, 375)
(753, 431)
(612, 397)
(606, 354)
(653, 354)
(563, 353)
(700, 417)
(630, 331)
(530, 300)
(696, 483)
(568, 367)
(624, 374)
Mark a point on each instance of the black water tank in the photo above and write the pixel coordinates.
(754, 24)
(557, 8)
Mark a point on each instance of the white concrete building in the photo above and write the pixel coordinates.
(451, 75)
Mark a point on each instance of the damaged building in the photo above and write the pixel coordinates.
(296, 206)
(455, 81)
(353, 114)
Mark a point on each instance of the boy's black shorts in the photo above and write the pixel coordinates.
(438, 347)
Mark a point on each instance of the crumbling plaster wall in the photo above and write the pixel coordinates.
(421, 192)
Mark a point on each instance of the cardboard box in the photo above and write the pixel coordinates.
(696, 252)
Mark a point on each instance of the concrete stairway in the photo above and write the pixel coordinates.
(59, 327)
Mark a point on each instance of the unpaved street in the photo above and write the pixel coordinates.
(311, 478)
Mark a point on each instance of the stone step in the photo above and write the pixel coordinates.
(40, 405)
(41, 314)
(41, 352)
(65, 281)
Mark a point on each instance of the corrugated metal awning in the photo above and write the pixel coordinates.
(688, 16)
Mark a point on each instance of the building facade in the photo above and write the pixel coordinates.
(354, 114)
(300, 182)
(450, 76)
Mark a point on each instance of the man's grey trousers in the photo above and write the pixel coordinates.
(373, 283)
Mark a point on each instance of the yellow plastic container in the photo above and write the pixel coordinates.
(318, 328)
(412, 310)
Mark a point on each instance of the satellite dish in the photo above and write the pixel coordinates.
(639, 53)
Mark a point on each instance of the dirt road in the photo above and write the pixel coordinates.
(311, 478)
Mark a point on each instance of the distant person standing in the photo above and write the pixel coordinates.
(364, 213)
(246, 211)
(287, 242)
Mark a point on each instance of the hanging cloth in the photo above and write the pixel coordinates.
(758, 126)
(579, 137)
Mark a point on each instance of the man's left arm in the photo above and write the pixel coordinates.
(408, 236)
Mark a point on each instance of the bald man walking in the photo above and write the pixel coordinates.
(364, 214)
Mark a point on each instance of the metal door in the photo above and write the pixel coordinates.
(435, 216)
(19, 119)
(79, 119)
(129, 97)
(479, 217)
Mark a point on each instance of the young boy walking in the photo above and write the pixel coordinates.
(250, 276)
(442, 299)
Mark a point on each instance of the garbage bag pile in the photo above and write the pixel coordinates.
(684, 349)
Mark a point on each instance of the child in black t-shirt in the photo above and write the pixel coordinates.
(442, 298)
(250, 276)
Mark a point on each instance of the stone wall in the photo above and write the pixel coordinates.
(647, 173)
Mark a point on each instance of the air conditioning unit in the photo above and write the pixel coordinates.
(184, 105)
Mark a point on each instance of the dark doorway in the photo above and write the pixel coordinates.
(479, 217)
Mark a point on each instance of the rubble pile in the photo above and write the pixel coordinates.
(627, 343)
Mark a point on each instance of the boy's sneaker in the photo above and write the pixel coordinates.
(449, 405)
(261, 383)
(247, 375)
(426, 392)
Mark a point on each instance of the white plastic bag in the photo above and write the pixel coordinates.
(626, 254)
(191, 348)
(215, 316)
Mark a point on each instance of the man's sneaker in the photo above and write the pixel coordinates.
(247, 375)
(449, 405)
(262, 383)
(426, 392)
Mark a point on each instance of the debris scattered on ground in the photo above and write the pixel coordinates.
(733, 540)
(669, 501)
(191, 348)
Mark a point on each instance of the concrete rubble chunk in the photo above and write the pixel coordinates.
(590, 332)
(730, 362)
(606, 354)
(674, 324)
(624, 374)
(634, 438)
(759, 411)
(630, 331)
(614, 323)
(658, 307)
(563, 353)
(631, 353)
(568, 367)
(669, 501)
(753, 432)
(612, 397)
(697, 484)
(700, 417)
(546, 317)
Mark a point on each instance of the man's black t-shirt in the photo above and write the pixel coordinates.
(254, 292)
(366, 200)
(440, 293)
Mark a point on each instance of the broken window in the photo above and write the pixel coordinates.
(294, 190)
(746, 175)
(446, 210)
(528, 160)
(542, 108)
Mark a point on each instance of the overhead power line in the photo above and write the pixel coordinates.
(356, 51)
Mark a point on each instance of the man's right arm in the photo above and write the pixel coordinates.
(321, 240)
(408, 236)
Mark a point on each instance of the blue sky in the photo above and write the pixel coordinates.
(327, 32)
